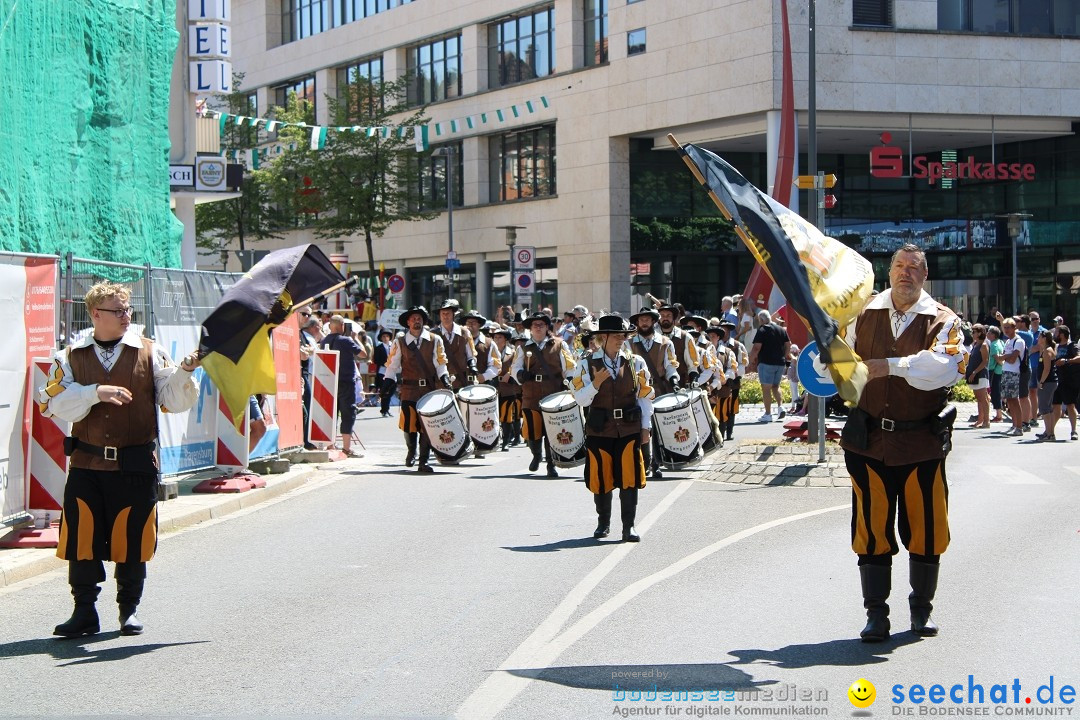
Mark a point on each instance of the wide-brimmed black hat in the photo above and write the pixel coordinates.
(670, 308)
(518, 319)
(414, 310)
(505, 332)
(534, 317)
(612, 324)
(451, 304)
(643, 312)
(727, 323)
(715, 330)
(697, 320)
(384, 331)
(472, 315)
(694, 333)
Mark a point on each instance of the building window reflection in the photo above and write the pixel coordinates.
(522, 48)
(523, 164)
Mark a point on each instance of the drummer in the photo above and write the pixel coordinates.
(742, 358)
(685, 349)
(488, 362)
(696, 326)
(615, 385)
(724, 375)
(509, 391)
(540, 366)
(418, 356)
(460, 353)
(658, 352)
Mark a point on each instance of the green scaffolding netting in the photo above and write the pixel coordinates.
(84, 135)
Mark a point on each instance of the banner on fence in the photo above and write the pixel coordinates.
(28, 326)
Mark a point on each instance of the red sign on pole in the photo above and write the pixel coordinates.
(830, 202)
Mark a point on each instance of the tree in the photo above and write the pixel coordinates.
(252, 216)
(360, 183)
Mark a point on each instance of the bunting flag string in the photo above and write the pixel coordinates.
(420, 134)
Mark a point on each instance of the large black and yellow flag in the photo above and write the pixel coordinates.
(824, 281)
(236, 348)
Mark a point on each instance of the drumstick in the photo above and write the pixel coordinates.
(528, 359)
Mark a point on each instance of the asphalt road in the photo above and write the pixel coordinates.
(478, 592)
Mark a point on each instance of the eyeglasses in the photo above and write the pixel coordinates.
(119, 312)
(305, 314)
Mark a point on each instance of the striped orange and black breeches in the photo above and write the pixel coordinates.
(109, 515)
(408, 419)
(509, 408)
(915, 497)
(533, 426)
(614, 463)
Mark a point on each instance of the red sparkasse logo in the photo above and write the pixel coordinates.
(887, 161)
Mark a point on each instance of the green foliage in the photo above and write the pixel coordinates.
(358, 184)
(961, 393)
(696, 233)
(252, 216)
(750, 390)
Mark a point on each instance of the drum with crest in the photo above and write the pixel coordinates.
(565, 426)
(707, 425)
(444, 426)
(676, 428)
(480, 406)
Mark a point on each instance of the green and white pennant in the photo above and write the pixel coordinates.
(318, 137)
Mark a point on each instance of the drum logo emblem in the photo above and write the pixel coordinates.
(565, 437)
(682, 435)
(446, 436)
(487, 425)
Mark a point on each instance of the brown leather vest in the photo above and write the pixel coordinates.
(679, 341)
(509, 388)
(481, 347)
(416, 365)
(533, 391)
(616, 393)
(109, 425)
(654, 359)
(891, 396)
(457, 361)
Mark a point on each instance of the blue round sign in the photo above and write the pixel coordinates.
(813, 374)
(395, 283)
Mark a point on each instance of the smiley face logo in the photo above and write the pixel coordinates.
(862, 693)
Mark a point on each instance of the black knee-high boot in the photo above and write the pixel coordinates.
(507, 432)
(130, 578)
(876, 586)
(550, 457)
(83, 576)
(410, 444)
(425, 454)
(603, 514)
(517, 433)
(534, 446)
(924, 578)
(653, 463)
(628, 510)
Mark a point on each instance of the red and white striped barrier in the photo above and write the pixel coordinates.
(46, 465)
(231, 449)
(322, 425)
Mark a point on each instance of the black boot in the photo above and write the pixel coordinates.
(507, 432)
(534, 446)
(551, 472)
(603, 515)
(130, 578)
(83, 576)
(410, 443)
(652, 458)
(924, 577)
(516, 434)
(425, 455)
(628, 510)
(876, 585)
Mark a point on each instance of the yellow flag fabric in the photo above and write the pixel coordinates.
(238, 381)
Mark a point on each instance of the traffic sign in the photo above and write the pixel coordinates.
(451, 255)
(395, 283)
(830, 202)
(813, 374)
(809, 182)
(524, 257)
(452, 263)
(524, 283)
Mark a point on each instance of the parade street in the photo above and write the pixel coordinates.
(478, 592)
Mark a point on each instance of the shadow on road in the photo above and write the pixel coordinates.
(80, 651)
(647, 678)
(568, 544)
(846, 652)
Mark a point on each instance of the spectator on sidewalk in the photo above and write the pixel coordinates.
(1068, 367)
(978, 376)
(386, 384)
(1047, 376)
(348, 352)
(1029, 404)
(1011, 357)
(768, 355)
(994, 369)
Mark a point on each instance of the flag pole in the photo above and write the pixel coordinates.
(322, 296)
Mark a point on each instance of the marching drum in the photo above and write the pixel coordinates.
(707, 425)
(676, 427)
(443, 426)
(565, 428)
(480, 406)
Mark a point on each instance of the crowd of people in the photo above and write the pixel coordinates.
(1025, 372)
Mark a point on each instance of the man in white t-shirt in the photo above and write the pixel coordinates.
(1010, 375)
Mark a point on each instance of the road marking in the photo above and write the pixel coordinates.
(1013, 476)
(1073, 469)
(546, 643)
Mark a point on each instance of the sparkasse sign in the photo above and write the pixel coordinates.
(887, 161)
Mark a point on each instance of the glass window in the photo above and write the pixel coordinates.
(523, 164)
(635, 42)
(522, 47)
(303, 18)
(596, 32)
(370, 70)
(1027, 17)
(1067, 17)
(436, 70)
(347, 11)
(304, 88)
(990, 15)
(872, 13)
(431, 172)
(1034, 17)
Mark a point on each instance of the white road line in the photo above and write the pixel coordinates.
(1073, 469)
(1013, 476)
(543, 646)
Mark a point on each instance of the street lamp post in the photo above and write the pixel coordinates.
(447, 153)
(511, 240)
(1014, 225)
